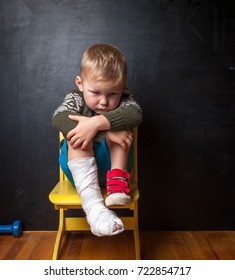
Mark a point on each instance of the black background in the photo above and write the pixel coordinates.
(181, 58)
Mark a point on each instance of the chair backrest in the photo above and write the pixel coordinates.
(134, 172)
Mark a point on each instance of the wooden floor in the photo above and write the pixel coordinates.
(169, 245)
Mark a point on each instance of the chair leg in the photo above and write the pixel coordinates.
(136, 234)
(60, 235)
(137, 244)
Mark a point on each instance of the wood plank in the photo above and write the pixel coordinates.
(43, 250)
(29, 248)
(5, 245)
(198, 245)
(174, 245)
(71, 247)
(222, 244)
(103, 248)
(9, 248)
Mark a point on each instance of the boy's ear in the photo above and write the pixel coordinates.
(78, 82)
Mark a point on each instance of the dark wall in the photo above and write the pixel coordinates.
(181, 57)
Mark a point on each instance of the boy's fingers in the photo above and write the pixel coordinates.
(70, 135)
(74, 118)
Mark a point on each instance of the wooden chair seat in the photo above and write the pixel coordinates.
(65, 194)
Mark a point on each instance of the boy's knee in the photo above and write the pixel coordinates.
(80, 153)
(122, 139)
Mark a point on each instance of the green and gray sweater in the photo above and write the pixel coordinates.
(126, 116)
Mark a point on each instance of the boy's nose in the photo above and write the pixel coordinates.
(103, 101)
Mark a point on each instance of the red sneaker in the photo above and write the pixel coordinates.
(118, 191)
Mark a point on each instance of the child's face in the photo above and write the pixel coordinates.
(100, 96)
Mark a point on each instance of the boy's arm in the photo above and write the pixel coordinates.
(73, 104)
(62, 122)
(127, 115)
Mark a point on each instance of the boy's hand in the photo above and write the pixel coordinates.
(122, 137)
(85, 130)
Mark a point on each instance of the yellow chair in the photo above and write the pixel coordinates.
(64, 197)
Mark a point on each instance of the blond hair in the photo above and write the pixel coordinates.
(104, 62)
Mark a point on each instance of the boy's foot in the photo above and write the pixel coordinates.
(107, 224)
(118, 192)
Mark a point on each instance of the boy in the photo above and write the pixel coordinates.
(96, 121)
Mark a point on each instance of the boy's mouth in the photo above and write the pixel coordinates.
(101, 110)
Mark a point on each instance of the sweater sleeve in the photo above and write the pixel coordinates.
(62, 122)
(73, 104)
(127, 115)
